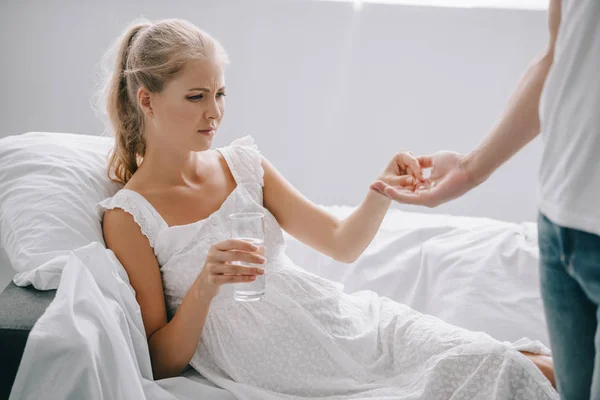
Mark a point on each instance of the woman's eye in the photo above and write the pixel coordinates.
(201, 96)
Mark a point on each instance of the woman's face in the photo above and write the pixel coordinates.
(188, 111)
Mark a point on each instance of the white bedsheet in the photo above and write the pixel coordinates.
(90, 343)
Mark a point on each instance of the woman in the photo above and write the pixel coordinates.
(306, 338)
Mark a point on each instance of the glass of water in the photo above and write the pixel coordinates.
(250, 228)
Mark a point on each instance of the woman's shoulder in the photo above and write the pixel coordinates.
(128, 198)
(242, 143)
(130, 203)
(244, 159)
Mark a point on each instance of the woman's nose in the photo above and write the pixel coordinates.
(213, 111)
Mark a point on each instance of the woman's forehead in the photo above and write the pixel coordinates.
(206, 73)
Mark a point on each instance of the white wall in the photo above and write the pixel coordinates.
(329, 93)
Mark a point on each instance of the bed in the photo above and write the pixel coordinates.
(477, 273)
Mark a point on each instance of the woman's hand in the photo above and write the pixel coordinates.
(403, 173)
(448, 180)
(218, 268)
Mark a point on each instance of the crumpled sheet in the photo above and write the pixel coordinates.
(90, 343)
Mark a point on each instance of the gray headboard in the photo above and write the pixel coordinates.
(20, 308)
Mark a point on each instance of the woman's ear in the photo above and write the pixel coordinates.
(144, 101)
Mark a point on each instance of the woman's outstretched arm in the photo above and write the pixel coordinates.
(342, 240)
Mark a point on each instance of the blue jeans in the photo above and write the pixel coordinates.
(570, 284)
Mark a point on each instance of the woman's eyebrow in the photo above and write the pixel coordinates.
(205, 89)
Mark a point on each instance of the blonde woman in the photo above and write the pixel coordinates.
(169, 228)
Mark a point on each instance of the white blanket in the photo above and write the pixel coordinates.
(90, 343)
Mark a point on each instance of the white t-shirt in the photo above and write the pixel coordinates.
(569, 178)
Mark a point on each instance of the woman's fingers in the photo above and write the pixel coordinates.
(413, 166)
(235, 244)
(232, 255)
(225, 268)
(425, 161)
(403, 180)
(220, 279)
(378, 186)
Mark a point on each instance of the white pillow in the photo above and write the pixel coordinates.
(49, 184)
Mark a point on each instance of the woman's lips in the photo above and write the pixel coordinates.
(208, 132)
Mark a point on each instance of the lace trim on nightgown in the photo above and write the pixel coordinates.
(148, 219)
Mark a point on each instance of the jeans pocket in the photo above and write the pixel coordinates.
(548, 239)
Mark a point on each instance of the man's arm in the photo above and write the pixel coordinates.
(520, 122)
(453, 174)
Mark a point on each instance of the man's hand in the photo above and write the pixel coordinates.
(448, 180)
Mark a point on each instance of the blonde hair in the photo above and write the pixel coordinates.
(149, 55)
